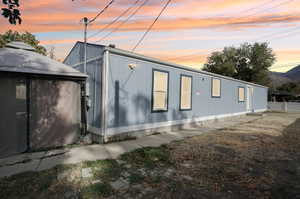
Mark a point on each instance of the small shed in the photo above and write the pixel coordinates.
(41, 101)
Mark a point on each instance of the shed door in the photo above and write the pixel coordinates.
(13, 115)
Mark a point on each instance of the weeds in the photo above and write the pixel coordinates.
(96, 190)
(148, 157)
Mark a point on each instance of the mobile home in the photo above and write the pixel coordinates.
(130, 93)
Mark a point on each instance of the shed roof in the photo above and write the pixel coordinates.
(25, 61)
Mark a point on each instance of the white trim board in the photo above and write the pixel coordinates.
(120, 130)
(260, 110)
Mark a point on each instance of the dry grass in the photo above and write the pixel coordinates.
(257, 159)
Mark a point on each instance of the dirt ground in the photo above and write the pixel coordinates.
(256, 159)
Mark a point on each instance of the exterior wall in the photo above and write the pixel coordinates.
(130, 93)
(94, 63)
(260, 98)
(55, 109)
(38, 112)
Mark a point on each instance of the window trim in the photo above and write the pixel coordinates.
(191, 101)
(152, 90)
(212, 82)
(239, 94)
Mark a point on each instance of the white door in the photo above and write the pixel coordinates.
(249, 98)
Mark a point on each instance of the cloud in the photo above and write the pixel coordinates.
(46, 23)
(57, 15)
(70, 41)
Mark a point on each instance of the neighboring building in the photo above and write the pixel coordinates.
(131, 93)
(280, 96)
(40, 101)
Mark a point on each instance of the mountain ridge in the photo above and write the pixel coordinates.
(278, 78)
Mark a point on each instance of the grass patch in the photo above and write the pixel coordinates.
(156, 179)
(104, 169)
(27, 185)
(135, 178)
(96, 190)
(148, 157)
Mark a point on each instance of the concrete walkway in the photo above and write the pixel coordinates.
(45, 160)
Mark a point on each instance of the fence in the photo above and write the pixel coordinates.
(291, 107)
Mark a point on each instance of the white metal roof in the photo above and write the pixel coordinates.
(25, 61)
(154, 60)
(20, 45)
(169, 64)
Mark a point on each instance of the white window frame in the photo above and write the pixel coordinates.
(212, 88)
(239, 94)
(165, 108)
(181, 93)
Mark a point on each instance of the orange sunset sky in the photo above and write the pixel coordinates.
(187, 32)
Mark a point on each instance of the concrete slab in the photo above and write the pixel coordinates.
(86, 153)
(17, 159)
(86, 173)
(152, 141)
(50, 162)
(117, 149)
(168, 137)
(18, 168)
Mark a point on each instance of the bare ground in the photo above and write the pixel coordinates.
(256, 159)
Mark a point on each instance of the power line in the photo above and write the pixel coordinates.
(115, 20)
(150, 27)
(103, 10)
(277, 35)
(276, 6)
(252, 8)
(123, 22)
(270, 36)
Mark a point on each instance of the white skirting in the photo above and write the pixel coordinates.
(120, 130)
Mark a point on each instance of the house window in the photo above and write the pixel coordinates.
(160, 89)
(216, 88)
(185, 92)
(241, 94)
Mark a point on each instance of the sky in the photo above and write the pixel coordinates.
(187, 32)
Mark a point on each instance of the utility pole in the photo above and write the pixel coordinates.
(85, 22)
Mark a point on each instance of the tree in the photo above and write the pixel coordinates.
(51, 53)
(291, 87)
(24, 37)
(247, 62)
(11, 11)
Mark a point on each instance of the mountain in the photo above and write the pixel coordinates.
(293, 74)
(278, 78)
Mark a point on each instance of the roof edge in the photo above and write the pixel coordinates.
(39, 72)
(166, 63)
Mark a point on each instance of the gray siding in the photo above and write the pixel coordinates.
(130, 91)
(76, 55)
(260, 97)
(94, 64)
